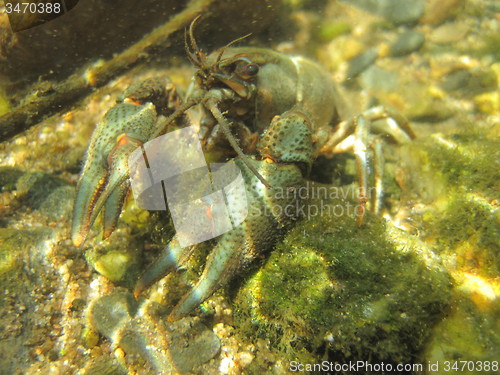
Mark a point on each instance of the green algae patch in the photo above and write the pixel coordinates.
(467, 334)
(457, 175)
(370, 292)
(9, 177)
(329, 30)
(15, 247)
(10, 249)
(466, 159)
(4, 103)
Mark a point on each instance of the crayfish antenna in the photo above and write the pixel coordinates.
(219, 57)
(232, 141)
(192, 39)
(192, 51)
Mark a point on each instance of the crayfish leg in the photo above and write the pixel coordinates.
(172, 258)
(222, 263)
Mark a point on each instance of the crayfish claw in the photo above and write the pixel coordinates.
(103, 183)
(88, 191)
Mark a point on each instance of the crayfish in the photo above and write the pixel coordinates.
(276, 113)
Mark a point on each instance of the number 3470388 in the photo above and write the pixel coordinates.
(33, 8)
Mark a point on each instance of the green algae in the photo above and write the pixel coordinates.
(9, 177)
(490, 46)
(15, 245)
(4, 103)
(10, 250)
(466, 334)
(329, 30)
(456, 176)
(462, 220)
(371, 292)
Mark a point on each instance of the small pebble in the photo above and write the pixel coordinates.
(90, 338)
(113, 265)
(78, 304)
(456, 80)
(192, 346)
(408, 42)
(111, 311)
(471, 82)
(488, 103)
(107, 366)
(361, 62)
(437, 11)
(449, 33)
(396, 11)
(243, 359)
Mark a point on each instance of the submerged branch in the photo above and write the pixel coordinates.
(62, 95)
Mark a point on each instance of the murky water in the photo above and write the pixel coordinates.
(414, 289)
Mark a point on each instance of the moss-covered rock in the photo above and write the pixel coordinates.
(36, 187)
(370, 292)
(456, 177)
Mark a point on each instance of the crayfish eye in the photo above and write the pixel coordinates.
(252, 69)
(246, 71)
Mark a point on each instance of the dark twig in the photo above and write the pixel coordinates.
(63, 95)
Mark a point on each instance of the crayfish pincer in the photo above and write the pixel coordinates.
(273, 114)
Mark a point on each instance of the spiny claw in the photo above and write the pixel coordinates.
(103, 183)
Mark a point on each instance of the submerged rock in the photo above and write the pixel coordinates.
(15, 248)
(437, 11)
(396, 11)
(453, 176)
(192, 345)
(371, 292)
(37, 186)
(109, 312)
(488, 103)
(59, 203)
(449, 33)
(361, 62)
(467, 83)
(151, 345)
